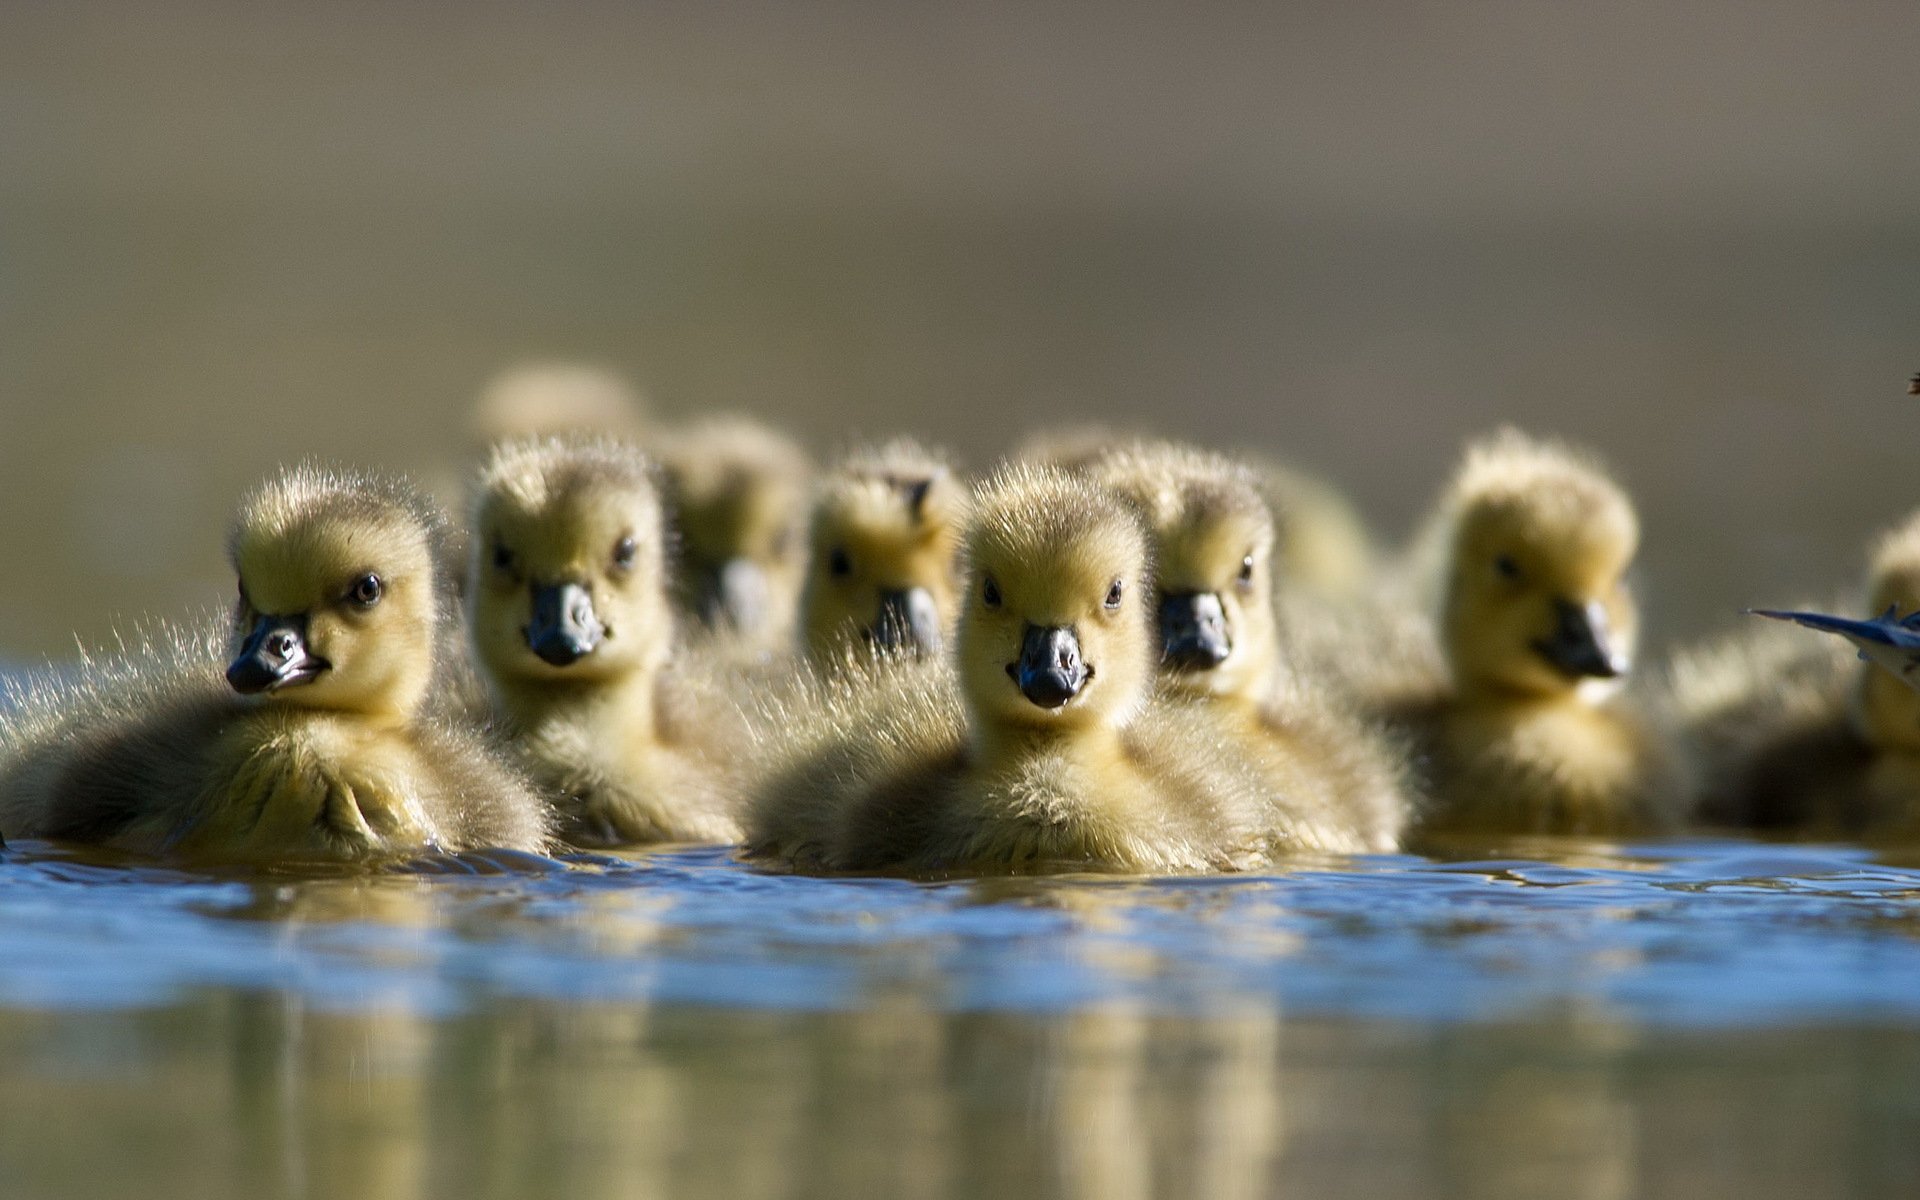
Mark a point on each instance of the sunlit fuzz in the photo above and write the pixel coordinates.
(884, 570)
(571, 622)
(316, 744)
(737, 493)
(1538, 630)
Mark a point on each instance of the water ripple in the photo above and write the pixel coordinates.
(1679, 933)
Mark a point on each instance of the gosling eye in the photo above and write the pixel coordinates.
(838, 564)
(990, 592)
(1246, 569)
(624, 552)
(1114, 592)
(502, 557)
(366, 591)
(1505, 567)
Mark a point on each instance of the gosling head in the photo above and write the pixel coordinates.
(567, 579)
(1212, 542)
(1535, 598)
(738, 493)
(1053, 633)
(341, 593)
(884, 570)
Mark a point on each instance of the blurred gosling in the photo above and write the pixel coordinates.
(1537, 628)
(316, 745)
(573, 627)
(737, 493)
(1212, 541)
(1039, 747)
(1794, 733)
(884, 573)
(555, 398)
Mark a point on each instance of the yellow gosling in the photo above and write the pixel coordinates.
(737, 492)
(1538, 629)
(315, 745)
(573, 628)
(885, 543)
(1794, 733)
(1040, 746)
(1212, 541)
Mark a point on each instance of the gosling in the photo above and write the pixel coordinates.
(1794, 734)
(1040, 747)
(573, 628)
(1213, 539)
(316, 745)
(737, 491)
(884, 573)
(1530, 734)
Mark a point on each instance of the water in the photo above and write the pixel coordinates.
(1582, 1018)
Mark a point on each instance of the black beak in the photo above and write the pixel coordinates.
(908, 621)
(1581, 645)
(1193, 631)
(1050, 671)
(735, 595)
(274, 656)
(564, 629)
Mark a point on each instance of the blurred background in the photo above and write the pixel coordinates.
(1686, 232)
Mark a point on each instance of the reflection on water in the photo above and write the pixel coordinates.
(1589, 1021)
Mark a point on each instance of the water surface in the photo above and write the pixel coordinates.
(1700, 1016)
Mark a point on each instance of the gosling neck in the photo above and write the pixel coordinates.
(1002, 742)
(531, 702)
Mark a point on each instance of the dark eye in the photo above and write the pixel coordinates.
(366, 591)
(838, 564)
(990, 593)
(1114, 593)
(624, 551)
(1506, 567)
(502, 557)
(1246, 569)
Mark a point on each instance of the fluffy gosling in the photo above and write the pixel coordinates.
(1794, 734)
(316, 744)
(1537, 627)
(1040, 747)
(737, 491)
(884, 574)
(1213, 540)
(573, 627)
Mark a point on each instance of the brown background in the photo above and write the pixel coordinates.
(1684, 232)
